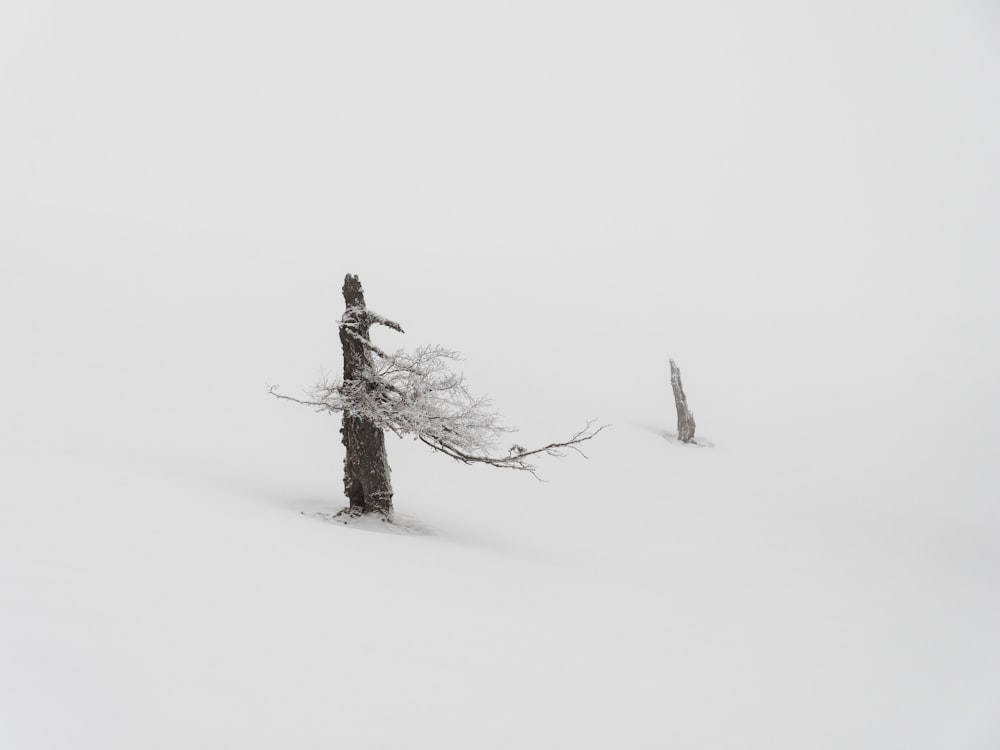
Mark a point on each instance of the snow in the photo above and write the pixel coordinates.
(796, 203)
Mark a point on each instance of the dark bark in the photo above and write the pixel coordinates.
(366, 466)
(685, 419)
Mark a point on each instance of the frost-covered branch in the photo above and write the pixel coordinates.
(518, 456)
(355, 316)
(417, 393)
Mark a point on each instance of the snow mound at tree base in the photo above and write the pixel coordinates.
(671, 435)
(399, 524)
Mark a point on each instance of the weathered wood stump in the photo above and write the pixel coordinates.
(685, 419)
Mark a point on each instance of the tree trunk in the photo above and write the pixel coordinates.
(685, 419)
(366, 467)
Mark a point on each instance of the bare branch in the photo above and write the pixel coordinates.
(320, 405)
(516, 458)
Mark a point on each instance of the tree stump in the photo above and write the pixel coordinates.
(685, 419)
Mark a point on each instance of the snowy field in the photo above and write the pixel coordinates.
(798, 202)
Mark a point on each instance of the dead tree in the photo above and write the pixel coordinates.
(366, 467)
(685, 419)
(409, 393)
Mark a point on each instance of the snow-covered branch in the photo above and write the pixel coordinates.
(417, 393)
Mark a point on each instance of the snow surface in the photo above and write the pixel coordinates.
(795, 201)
